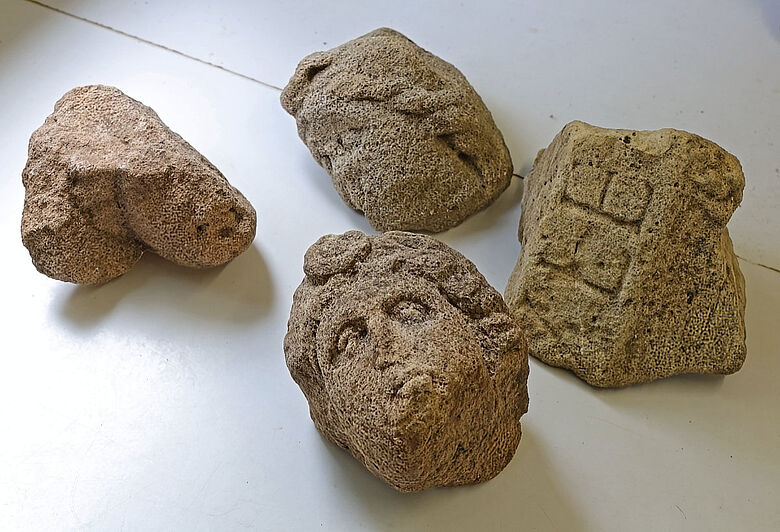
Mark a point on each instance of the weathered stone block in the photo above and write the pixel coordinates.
(106, 180)
(627, 272)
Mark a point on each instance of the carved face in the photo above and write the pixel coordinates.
(400, 340)
(408, 358)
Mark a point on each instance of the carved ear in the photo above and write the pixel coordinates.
(334, 254)
(500, 333)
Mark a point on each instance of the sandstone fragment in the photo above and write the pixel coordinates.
(408, 358)
(106, 180)
(404, 136)
(627, 272)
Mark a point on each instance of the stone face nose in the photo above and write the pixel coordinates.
(388, 346)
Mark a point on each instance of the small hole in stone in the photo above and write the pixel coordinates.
(237, 215)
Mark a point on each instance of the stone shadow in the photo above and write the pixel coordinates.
(239, 292)
(526, 495)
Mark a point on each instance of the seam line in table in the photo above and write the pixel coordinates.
(758, 264)
(156, 45)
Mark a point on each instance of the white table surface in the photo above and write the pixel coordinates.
(161, 401)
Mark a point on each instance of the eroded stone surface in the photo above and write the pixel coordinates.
(627, 272)
(106, 179)
(406, 139)
(409, 359)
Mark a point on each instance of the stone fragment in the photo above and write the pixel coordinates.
(627, 272)
(106, 180)
(409, 359)
(404, 136)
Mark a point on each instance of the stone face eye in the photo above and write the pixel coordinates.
(409, 311)
(350, 335)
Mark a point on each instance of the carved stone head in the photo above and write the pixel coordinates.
(387, 120)
(408, 358)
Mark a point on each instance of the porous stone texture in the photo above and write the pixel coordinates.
(409, 359)
(627, 273)
(406, 139)
(106, 180)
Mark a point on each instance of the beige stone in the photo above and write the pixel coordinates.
(627, 273)
(106, 180)
(405, 138)
(409, 359)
